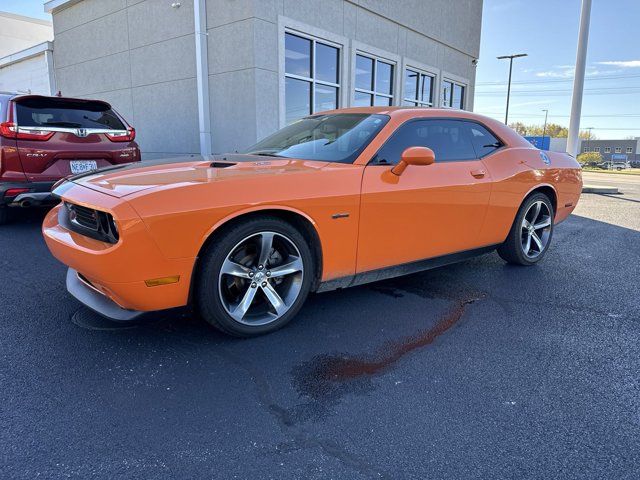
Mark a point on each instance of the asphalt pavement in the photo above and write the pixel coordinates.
(476, 370)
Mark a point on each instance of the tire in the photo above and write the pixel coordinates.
(4, 215)
(514, 249)
(230, 278)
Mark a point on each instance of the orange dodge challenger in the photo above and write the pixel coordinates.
(333, 200)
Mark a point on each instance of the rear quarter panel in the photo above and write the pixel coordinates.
(516, 172)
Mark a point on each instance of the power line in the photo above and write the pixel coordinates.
(559, 94)
(564, 90)
(536, 114)
(560, 80)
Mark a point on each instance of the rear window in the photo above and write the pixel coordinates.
(54, 112)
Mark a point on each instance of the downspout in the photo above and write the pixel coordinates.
(202, 75)
(51, 72)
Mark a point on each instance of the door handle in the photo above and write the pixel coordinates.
(478, 173)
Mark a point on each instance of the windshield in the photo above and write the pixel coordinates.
(329, 138)
(67, 113)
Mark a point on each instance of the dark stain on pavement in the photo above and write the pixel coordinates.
(326, 378)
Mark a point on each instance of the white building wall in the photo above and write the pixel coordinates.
(29, 76)
(18, 32)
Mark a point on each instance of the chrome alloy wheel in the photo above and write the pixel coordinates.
(261, 278)
(536, 229)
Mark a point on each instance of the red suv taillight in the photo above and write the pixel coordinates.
(128, 136)
(11, 130)
(8, 129)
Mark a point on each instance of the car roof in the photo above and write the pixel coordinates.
(402, 114)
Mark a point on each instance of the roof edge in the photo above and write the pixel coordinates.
(26, 54)
(51, 6)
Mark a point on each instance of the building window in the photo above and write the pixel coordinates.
(374, 82)
(596, 149)
(629, 149)
(312, 76)
(418, 88)
(452, 94)
(585, 149)
(607, 149)
(618, 149)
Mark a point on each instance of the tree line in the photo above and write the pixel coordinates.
(552, 130)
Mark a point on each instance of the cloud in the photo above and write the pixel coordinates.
(555, 74)
(567, 71)
(622, 64)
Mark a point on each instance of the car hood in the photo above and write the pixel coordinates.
(182, 171)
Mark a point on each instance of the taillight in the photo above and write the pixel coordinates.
(11, 130)
(122, 136)
(8, 129)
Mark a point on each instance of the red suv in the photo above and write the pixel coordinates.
(43, 139)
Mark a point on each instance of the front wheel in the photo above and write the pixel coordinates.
(531, 233)
(255, 277)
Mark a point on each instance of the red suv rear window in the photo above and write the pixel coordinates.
(66, 113)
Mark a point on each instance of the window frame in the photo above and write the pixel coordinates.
(303, 30)
(435, 73)
(618, 150)
(607, 149)
(629, 150)
(373, 160)
(358, 48)
(420, 73)
(374, 93)
(455, 80)
(313, 78)
(596, 149)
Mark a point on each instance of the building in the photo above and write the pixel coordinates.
(195, 76)
(26, 55)
(614, 150)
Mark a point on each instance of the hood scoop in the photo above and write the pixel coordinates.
(222, 164)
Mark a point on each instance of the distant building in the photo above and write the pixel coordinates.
(627, 150)
(614, 150)
(26, 54)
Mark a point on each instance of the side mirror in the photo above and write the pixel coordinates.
(414, 156)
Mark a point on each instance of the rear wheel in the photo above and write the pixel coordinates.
(255, 277)
(531, 233)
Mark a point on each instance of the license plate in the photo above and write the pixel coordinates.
(83, 166)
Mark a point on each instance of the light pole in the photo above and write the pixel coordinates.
(578, 80)
(588, 146)
(544, 129)
(510, 57)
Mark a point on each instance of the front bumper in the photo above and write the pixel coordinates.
(118, 272)
(39, 194)
(96, 301)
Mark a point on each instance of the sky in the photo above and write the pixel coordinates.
(29, 8)
(547, 30)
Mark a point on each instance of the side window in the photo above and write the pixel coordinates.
(449, 139)
(483, 141)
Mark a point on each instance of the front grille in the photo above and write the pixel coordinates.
(89, 222)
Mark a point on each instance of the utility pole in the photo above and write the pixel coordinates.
(544, 129)
(578, 80)
(510, 57)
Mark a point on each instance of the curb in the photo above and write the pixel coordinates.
(599, 189)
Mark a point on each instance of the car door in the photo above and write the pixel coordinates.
(427, 211)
